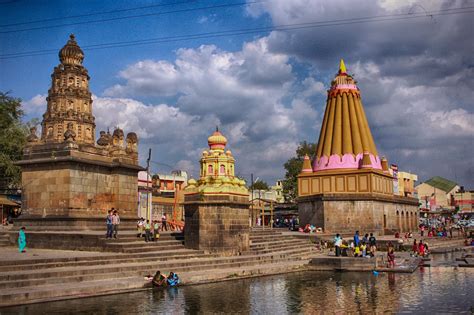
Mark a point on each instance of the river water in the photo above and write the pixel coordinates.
(442, 289)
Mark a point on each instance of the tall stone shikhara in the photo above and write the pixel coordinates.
(348, 186)
(68, 179)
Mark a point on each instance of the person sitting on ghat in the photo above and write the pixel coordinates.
(173, 279)
(159, 279)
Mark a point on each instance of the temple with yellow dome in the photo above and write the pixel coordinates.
(348, 186)
(68, 179)
(217, 204)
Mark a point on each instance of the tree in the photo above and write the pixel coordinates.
(293, 168)
(12, 140)
(259, 185)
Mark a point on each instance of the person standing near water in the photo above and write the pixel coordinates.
(22, 240)
(337, 244)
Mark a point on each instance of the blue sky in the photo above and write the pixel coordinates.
(265, 90)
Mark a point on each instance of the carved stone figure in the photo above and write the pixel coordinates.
(103, 139)
(132, 143)
(70, 134)
(32, 137)
(118, 137)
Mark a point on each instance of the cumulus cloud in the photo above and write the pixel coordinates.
(416, 75)
(35, 106)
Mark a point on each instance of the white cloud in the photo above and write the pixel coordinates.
(35, 106)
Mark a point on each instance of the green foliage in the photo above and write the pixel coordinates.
(259, 185)
(12, 140)
(293, 167)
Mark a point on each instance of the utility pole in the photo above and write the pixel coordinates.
(148, 212)
(251, 200)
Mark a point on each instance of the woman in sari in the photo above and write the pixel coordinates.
(22, 240)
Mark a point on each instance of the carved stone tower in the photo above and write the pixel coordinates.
(68, 181)
(69, 99)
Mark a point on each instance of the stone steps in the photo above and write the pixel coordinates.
(62, 278)
(92, 273)
(157, 257)
(5, 240)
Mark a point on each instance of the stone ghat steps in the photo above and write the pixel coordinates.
(275, 239)
(280, 242)
(5, 240)
(69, 275)
(130, 284)
(138, 247)
(270, 248)
(158, 257)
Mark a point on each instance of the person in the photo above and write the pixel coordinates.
(164, 226)
(108, 221)
(357, 251)
(422, 230)
(115, 223)
(147, 231)
(427, 251)
(356, 239)
(156, 230)
(363, 249)
(414, 248)
(389, 245)
(22, 240)
(159, 279)
(391, 257)
(372, 244)
(173, 279)
(421, 248)
(365, 239)
(140, 224)
(337, 244)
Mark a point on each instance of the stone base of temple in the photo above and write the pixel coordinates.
(217, 223)
(347, 213)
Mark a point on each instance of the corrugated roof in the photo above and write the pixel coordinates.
(441, 183)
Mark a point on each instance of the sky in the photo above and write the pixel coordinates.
(259, 70)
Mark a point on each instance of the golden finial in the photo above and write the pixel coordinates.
(342, 67)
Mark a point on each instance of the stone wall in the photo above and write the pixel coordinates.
(336, 214)
(79, 190)
(217, 224)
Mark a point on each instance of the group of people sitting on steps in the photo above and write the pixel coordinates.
(161, 280)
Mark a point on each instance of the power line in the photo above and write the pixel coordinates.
(287, 27)
(96, 13)
(132, 17)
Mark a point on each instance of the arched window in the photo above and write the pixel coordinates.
(210, 170)
(222, 169)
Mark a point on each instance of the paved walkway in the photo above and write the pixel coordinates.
(11, 254)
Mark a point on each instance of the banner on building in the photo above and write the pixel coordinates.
(395, 178)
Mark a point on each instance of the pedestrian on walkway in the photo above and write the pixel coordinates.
(337, 244)
(108, 221)
(147, 231)
(115, 222)
(22, 240)
(372, 244)
(140, 226)
(164, 225)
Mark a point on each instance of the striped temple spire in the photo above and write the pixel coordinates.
(345, 140)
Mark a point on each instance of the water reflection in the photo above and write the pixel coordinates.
(432, 290)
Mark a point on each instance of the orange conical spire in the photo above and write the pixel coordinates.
(345, 133)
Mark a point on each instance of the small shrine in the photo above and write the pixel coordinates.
(217, 205)
(68, 179)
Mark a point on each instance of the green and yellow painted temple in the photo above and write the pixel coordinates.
(348, 186)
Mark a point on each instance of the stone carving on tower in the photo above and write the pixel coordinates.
(69, 100)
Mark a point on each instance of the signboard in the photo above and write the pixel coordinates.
(395, 178)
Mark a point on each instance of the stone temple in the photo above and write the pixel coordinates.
(348, 186)
(217, 205)
(69, 180)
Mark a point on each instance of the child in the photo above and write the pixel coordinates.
(363, 247)
(356, 251)
(391, 258)
(156, 230)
